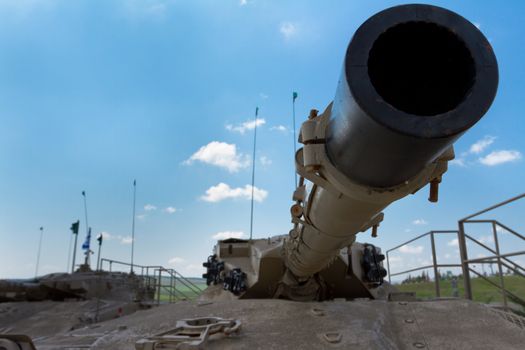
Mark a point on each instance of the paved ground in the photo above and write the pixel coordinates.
(280, 324)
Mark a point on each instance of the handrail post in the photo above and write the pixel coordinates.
(501, 279)
(171, 287)
(434, 262)
(158, 287)
(464, 260)
(387, 267)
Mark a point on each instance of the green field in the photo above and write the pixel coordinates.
(482, 290)
(183, 292)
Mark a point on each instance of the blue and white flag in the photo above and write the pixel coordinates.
(85, 246)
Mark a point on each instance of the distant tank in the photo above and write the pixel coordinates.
(79, 285)
(414, 79)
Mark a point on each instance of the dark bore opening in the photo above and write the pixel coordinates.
(421, 68)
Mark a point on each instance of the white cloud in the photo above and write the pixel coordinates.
(223, 191)
(170, 210)
(482, 144)
(409, 249)
(453, 243)
(263, 95)
(500, 157)
(221, 154)
(458, 161)
(396, 261)
(243, 2)
(176, 260)
(288, 30)
(141, 216)
(265, 161)
(448, 256)
(486, 239)
(228, 234)
(476, 148)
(106, 236)
(150, 207)
(126, 240)
(186, 268)
(419, 222)
(248, 125)
(191, 270)
(280, 128)
(500, 229)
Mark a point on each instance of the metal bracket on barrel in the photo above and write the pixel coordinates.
(312, 163)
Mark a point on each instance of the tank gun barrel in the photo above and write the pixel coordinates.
(414, 79)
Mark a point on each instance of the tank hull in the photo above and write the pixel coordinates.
(273, 324)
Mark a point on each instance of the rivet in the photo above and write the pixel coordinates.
(332, 337)
(318, 312)
(419, 345)
(409, 320)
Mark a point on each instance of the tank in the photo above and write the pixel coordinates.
(414, 79)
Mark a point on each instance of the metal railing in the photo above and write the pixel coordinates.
(497, 257)
(162, 280)
(435, 266)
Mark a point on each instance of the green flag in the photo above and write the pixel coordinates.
(294, 95)
(74, 227)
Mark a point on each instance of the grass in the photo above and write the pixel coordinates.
(482, 291)
(184, 291)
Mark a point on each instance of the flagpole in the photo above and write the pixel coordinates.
(69, 253)
(99, 239)
(85, 211)
(87, 247)
(39, 248)
(253, 169)
(74, 229)
(294, 96)
(133, 223)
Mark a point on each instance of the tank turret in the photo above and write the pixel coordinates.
(414, 79)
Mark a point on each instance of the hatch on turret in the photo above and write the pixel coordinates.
(234, 247)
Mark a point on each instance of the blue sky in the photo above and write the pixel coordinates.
(95, 94)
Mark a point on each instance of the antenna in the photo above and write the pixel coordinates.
(253, 169)
(133, 224)
(294, 96)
